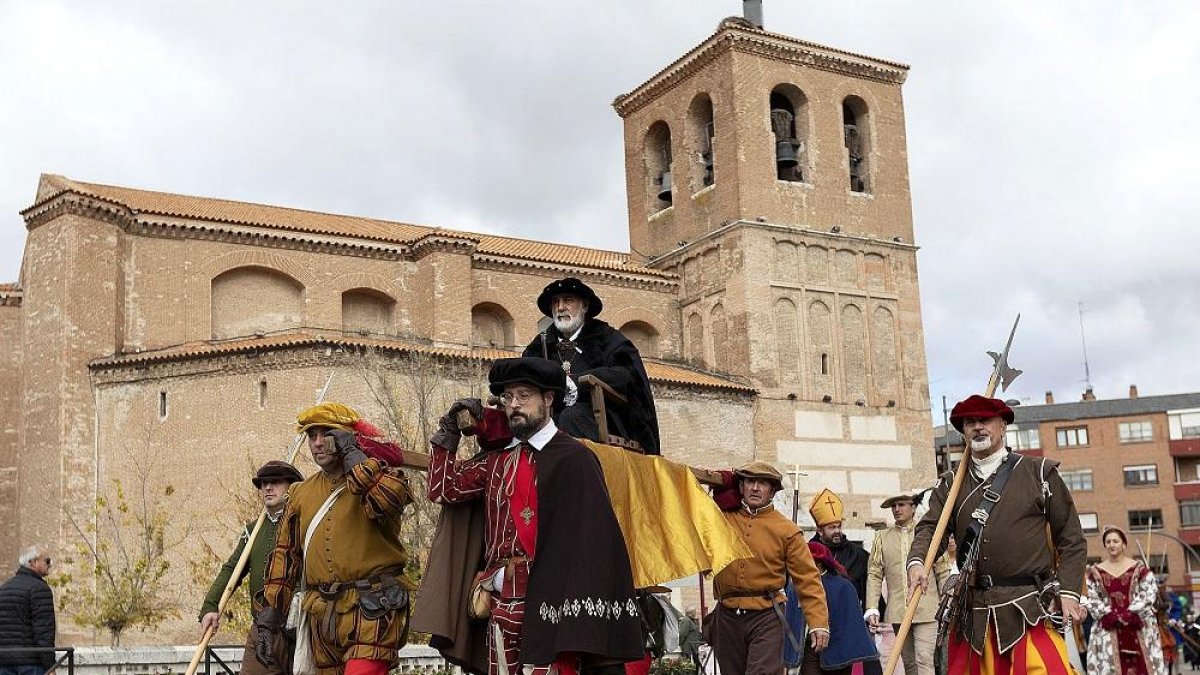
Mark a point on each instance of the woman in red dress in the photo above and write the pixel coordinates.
(1121, 595)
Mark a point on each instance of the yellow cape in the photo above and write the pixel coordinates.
(672, 527)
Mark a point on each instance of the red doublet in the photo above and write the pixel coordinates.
(506, 480)
(524, 502)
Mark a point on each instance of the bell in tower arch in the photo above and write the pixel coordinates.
(785, 143)
(664, 190)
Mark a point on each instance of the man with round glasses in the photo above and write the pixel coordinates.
(544, 499)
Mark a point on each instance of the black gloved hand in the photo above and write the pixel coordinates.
(448, 434)
(347, 446)
(268, 636)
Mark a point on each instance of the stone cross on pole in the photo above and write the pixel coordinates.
(794, 473)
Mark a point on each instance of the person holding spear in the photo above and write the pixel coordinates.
(272, 481)
(999, 616)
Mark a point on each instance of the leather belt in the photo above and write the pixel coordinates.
(985, 581)
(334, 589)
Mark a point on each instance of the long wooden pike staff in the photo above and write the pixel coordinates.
(1002, 375)
(244, 559)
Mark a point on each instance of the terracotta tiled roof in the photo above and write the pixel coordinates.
(231, 212)
(659, 372)
(669, 373)
(10, 288)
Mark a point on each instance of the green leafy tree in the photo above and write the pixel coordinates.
(123, 551)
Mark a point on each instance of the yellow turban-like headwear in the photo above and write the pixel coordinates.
(334, 416)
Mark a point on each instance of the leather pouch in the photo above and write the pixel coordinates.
(480, 604)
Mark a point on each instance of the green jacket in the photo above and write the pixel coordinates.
(256, 566)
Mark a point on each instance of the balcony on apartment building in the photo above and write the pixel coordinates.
(1183, 427)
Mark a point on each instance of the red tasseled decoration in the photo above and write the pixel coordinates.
(384, 451)
(365, 428)
(728, 496)
(492, 431)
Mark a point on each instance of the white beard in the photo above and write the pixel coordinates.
(567, 328)
(981, 445)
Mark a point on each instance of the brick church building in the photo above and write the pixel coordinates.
(771, 286)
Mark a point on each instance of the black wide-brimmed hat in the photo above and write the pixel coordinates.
(533, 371)
(277, 469)
(570, 286)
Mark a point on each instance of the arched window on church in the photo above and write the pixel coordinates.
(720, 336)
(367, 312)
(695, 339)
(856, 127)
(643, 336)
(657, 160)
(491, 326)
(701, 131)
(254, 300)
(789, 128)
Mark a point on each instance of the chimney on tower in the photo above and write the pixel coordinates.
(1133, 391)
(1049, 398)
(752, 11)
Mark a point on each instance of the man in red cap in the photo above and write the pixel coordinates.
(554, 559)
(581, 344)
(1006, 506)
(272, 481)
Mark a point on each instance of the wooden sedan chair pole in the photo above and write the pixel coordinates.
(244, 559)
(1002, 375)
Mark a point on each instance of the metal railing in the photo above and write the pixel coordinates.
(67, 657)
(210, 655)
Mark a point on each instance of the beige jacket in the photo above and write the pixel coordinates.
(889, 556)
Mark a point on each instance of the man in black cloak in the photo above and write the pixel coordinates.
(584, 345)
(553, 558)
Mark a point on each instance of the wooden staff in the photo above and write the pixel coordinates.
(1000, 372)
(244, 559)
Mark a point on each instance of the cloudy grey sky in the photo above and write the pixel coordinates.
(1053, 145)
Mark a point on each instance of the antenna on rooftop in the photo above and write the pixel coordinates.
(1087, 373)
(752, 11)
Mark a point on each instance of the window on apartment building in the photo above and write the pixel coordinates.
(1078, 480)
(1072, 437)
(1144, 519)
(1158, 563)
(1184, 425)
(1141, 474)
(1022, 439)
(162, 404)
(262, 394)
(1189, 514)
(1135, 432)
(1187, 470)
(1089, 523)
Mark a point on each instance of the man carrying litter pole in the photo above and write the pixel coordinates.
(1020, 548)
(337, 562)
(272, 482)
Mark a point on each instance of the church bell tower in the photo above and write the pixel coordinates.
(771, 175)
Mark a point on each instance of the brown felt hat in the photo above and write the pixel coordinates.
(887, 503)
(760, 469)
(277, 469)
